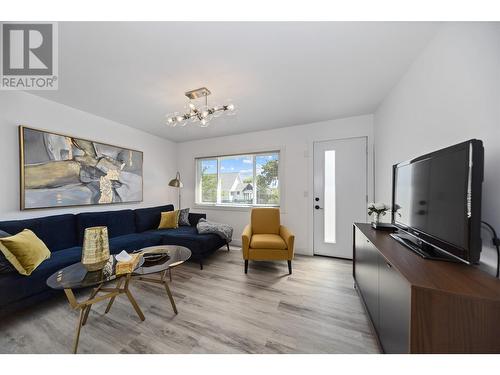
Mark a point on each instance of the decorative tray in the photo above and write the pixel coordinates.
(152, 257)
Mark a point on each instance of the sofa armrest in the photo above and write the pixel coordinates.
(195, 217)
(245, 240)
(289, 239)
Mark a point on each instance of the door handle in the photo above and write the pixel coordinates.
(318, 207)
(388, 265)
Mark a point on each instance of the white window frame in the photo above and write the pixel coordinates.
(253, 155)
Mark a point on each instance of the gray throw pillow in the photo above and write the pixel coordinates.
(5, 266)
(184, 217)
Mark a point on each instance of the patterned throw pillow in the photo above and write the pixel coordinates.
(184, 217)
(5, 266)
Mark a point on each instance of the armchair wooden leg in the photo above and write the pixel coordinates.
(201, 265)
(246, 266)
(289, 266)
(227, 246)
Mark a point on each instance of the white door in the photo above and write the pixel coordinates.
(340, 194)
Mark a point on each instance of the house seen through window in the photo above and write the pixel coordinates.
(250, 179)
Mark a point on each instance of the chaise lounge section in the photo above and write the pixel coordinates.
(128, 230)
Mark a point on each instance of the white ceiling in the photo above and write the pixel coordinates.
(278, 74)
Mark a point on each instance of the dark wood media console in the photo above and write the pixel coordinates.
(424, 306)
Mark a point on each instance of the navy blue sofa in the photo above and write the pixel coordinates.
(63, 234)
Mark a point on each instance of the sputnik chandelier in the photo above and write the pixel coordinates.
(202, 114)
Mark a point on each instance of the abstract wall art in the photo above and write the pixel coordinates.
(59, 170)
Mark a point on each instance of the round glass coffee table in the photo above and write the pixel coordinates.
(158, 260)
(76, 276)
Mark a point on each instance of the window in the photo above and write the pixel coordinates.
(239, 180)
(208, 182)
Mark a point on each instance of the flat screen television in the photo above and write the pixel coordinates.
(436, 200)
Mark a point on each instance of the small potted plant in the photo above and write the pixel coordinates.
(377, 209)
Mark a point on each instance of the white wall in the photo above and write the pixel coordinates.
(20, 108)
(296, 145)
(450, 94)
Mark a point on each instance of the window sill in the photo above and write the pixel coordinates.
(223, 207)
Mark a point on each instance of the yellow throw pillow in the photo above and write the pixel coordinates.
(169, 220)
(25, 251)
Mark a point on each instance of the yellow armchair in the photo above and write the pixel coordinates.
(266, 239)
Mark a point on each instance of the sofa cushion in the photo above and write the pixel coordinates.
(57, 232)
(149, 218)
(134, 241)
(189, 237)
(267, 241)
(119, 223)
(184, 217)
(194, 218)
(25, 251)
(179, 231)
(169, 220)
(5, 266)
(15, 287)
(265, 220)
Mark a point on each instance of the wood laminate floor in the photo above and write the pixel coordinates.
(221, 310)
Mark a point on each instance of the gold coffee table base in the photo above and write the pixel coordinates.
(160, 280)
(111, 294)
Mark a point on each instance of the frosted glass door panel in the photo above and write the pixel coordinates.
(329, 188)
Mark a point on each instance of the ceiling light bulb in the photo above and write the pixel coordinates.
(203, 122)
(170, 120)
(230, 107)
(191, 105)
(204, 113)
(179, 118)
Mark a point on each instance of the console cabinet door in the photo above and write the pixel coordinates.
(394, 309)
(366, 274)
